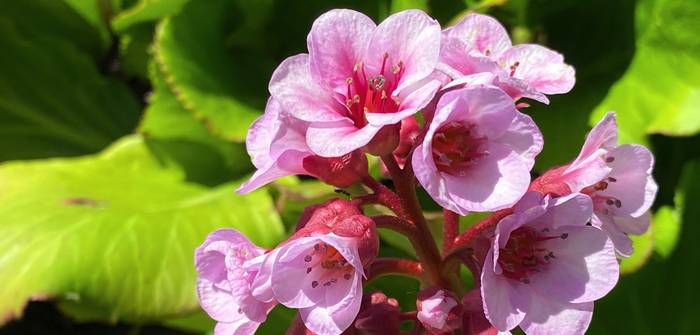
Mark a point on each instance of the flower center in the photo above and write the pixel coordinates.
(327, 265)
(603, 203)
(456, 148)
(524, 254)
(372, 94)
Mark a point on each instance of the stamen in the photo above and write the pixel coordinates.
(609, 159)
(308, 270)
(307, 258)
(314, 284)
(347, 276)
(610, 202)
(618, 203)
(564, 236)
(386, 56)
(513, 68)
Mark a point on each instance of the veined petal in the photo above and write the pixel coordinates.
(338, 138)
(293, 86)
(483, 35)
(337, 42)
(550, 318)
(541, 68)
(410, 38)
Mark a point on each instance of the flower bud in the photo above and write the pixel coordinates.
(386, 140)
(327, 213)
(410, 129)
(340, 171)
(379, 315)
(438, 311)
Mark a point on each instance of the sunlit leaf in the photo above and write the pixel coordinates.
(114, 233)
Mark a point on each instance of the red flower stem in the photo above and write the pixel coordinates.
(396, 224)
(450, 229)
(412, 315)
(476, 230)
(382, 195)
(397, 266)
(424, 243)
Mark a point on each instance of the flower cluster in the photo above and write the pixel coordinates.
(442, 109)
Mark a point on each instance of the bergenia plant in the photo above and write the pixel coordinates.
(442, 111)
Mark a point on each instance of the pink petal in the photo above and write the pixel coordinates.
(540, 67)
(290, 283)
(456, 61)
(495, 182)
(622, 242)
(338, 138)
(602, 136)
(489, 108)
(239, 327)
(585, 268)
(502, 306)
(287, 164)
(261, 134)
(483, 35)
(347, 247)
(336, 315)
(410, 104)
(550, 318)
(524, 137)
(574, 209)
(632, 225)
(634, 185)
(296, 90)
(218, 302)
(337, 42)
(410, 37)
(261, 286)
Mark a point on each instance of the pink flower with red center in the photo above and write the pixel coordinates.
(438, 311)
(547, 266)
(320, 269)
(358, 77)
(223, 283)
(277, 146)
(478, 43)
(618, 179)
(477, 152)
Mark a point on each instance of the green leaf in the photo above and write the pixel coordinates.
(667, 228)
(225, 88)
(114, 233)
(146, 11)
(53, 101)
(96, 12)
(399, 5)
(660, 92)
(174, 134)
(135, 50)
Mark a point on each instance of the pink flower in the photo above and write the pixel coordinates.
(547, 266)
(478, 151)
(319, 270)
(617, 178)
(277, 146)
(438, 311)
(358, 77)
(223, 283)
(478, 43)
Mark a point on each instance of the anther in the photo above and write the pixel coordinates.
(317, 246)
(609, 159)
(513, 68)
(612, 180)
(618, 203)
(308, 270)
(610, 202)
(564, 236)
(307, 258)
(314, 284)
(347, 276)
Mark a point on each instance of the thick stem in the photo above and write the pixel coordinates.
(397, 266)
(382, 195)
(396, 224)
(426, 250)
(450, 229)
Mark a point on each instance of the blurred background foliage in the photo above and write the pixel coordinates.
(121, 140)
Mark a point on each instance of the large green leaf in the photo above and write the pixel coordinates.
(145, 11)
(659, 298)
(114, 234)
(660, 92)
(53, 101)
(174, 133)
(223, 87)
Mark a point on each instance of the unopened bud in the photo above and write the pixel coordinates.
(340, 171)
(386, 140)
(379, 315)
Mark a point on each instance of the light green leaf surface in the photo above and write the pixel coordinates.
(660, 92)
(114, 233)
(53, 100)
(224, 89)
(146, 11)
